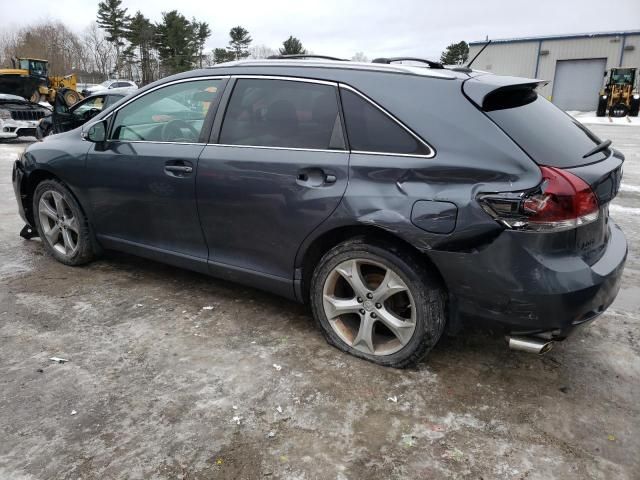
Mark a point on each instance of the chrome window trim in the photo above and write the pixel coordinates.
(285, 78)
(160, 142)
(264, 147)
(432, 151)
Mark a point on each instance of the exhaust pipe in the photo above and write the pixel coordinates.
(530, 344)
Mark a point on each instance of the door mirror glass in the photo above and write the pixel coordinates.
(96, 132)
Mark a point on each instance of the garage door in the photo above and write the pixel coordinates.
(577, 83)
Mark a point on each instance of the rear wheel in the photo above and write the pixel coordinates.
(602, 107)
(61, 224)
(377, 302)
(71, 97)
(635, 106)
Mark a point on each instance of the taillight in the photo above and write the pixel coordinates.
(562, 201)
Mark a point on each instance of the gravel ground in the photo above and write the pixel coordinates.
(158, 386)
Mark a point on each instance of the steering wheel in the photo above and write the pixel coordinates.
(89, 114)
(172, 131)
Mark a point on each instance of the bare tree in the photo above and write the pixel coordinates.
(261, 51)
(101, 52)
(360, 57)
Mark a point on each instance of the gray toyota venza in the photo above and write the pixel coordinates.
(396, 200)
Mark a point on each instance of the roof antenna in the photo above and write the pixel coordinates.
(478, 54)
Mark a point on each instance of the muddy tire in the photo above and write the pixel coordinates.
(71, 97)
(378, 301)
(62, 224)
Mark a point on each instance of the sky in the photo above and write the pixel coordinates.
(343, 27)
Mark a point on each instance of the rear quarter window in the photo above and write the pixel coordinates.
(370, 130)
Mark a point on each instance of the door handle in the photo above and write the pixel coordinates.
(330, 178)
(314, 177)
(178, 168)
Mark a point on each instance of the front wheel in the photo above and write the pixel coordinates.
(61, 224)
(378, 302)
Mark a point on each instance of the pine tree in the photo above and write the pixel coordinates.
(174, 41)
(114, 20)
(292, 46)
(239, 43)
(455, 54)
(202, 33)
(221, 55)
(140, 34)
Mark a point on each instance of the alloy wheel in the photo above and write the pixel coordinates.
(59, 226)
(369, 306)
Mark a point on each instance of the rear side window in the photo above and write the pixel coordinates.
(283, 113)
(370, 130)
(546, 133)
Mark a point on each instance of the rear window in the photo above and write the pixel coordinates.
(546, 133)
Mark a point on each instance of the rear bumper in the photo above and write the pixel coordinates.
(527, 293)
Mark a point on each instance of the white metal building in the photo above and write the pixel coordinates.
(574, 64)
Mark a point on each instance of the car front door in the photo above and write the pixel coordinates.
(142, 186)
(277, 171)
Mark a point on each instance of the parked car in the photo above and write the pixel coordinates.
(109, 84)
(396, 200)
(63, 118)
(19, 117)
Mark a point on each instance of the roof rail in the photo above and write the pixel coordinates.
(305, 55)
(389, 60)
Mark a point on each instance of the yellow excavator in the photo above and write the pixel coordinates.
(620, 96)
(29, 78)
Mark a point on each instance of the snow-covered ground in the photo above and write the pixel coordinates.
(589, 118)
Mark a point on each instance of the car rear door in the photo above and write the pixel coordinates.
(142, 180)
(276, 168)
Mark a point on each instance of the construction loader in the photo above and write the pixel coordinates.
(620, 96)
(29, 78)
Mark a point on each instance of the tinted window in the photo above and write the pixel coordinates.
(174, 113)
(547, 134)
(370, 130)
(282, 113)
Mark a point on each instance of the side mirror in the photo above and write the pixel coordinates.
(96, 132)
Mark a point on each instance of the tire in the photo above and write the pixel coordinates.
(602, 108)
(71, 97)
(73, 243)
(635, 107)
(401, 336)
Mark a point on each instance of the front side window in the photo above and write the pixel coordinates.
(95, 103)
(174, 113)
(283, 113)
(371, 130)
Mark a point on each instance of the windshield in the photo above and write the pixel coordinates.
(622, 76)
(106, 83)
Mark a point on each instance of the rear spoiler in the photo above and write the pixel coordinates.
(477, 89)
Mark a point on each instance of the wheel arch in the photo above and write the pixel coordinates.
(319, 246)
(28, 187)
(31, 182)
